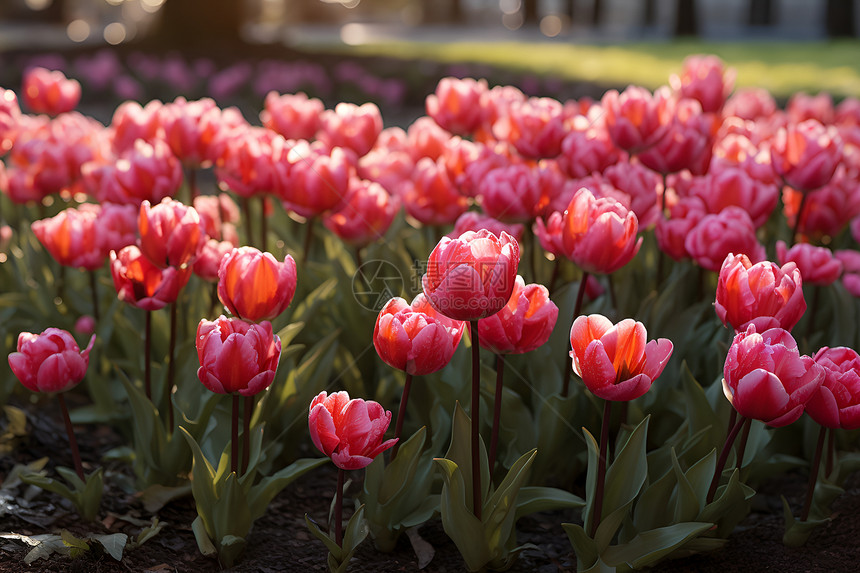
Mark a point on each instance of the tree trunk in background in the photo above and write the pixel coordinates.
(685, 18)
(650, 15)
(840, 19)
(530, 11)
(761, 13)
(597, 13)
(193, 25)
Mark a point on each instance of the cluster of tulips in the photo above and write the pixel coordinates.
(661, 206)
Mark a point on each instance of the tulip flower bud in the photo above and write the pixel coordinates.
(456, 104)
(348, 431)
(473, 276)
(72, 238)
(806, 154)
(836, 403)
(50, 92)
(170, 233)
(254, 286)
(524, 324)
(762, 294)
(236, 356)
(766, 378)
(415, 338)
(614, 361)
(817, 265)
(141, 283)
(50, 361)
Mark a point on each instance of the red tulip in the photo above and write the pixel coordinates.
(614, 361)
(802, 106)
(766, 378)
(827, 210)
(474, 221)
(687, 145)
(50, 361)
(365, 215)
(50, 91)
(117, 227)
(635, 118)
(72, 238)
(672, 233)
(705, 79)
(724, 186)
(131, 122)
(761, 294)
(209, 258)
(850, 260)
(415, 338)
(456, 104)
(473, 276)
(715, 236)
(524, 324)
(247, 163)
(817, 265)
(424, 138)
(430, 196)
(511, 194)
(348, 431)
(587, 149)
(599, 235)
(806, 154)
(192, 129)
(10, 119)
(351, 126)
(254, 286)
(236, 356)
(317, 179)
(535, 127)
(750, 103)
(140, 283)
(294, 116)
(836, 404)
(170, 233)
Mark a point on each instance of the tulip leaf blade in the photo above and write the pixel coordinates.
(650, 546)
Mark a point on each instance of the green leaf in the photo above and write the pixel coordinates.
(583, 546)
(627, 474)
(532, 499)
(684, 499)
(204, 543)
(609, 526)
(797, 532)
(317, 532)
(113, 543)
(650, 511)
(230, 548)
(649, 547)
(460, 452)
(590, 478)
(355, 533)
(262, 494)
(701, 474)
(461, 525)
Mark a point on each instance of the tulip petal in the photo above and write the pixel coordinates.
(760, 395)
(625, 390)
(597, 369)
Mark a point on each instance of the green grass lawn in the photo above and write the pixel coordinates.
(783, 68)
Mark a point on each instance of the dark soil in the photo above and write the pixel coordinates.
(280, 540)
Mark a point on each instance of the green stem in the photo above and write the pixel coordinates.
(264, 225)
(475, 410)
(147, 355)
(497, 410)
(813, 475)
(246, 432)
(94, 289)
(724, 455)
(171, 368)
(796, 227)
(601, 468)
(338, 509)
(401, 414)
(743, 445)
(234, 433)
(249, 226)
(73, 443)
(566, 366)
(309, 236)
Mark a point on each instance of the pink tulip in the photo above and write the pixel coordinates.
(50, 361)
(715, 236)
(599, 235)
(524, 324)
(672, 233)
(762, 294)
(456, 104)
(50, 92)
(365, 215)
(425, 138)
(254, 286)
(193, 129)
(534, 127)
(473, 276)
(294, 116)
(10, 119)
(72, 238)
(511, 193)
(614, 361)
(687, 144)
(430, 196)
(641, 185)
(237, 357)
(727, 186)
(142, 284)
(316, 181)
(85, 325)
(170, 233)
(635, 118)
(474, 221)
(817, 265)
(415, 338)
(389, 168)
(802, 106)
(766, 378)
(587, 150)
(209, 258)
(348, 431)
(827, 210)
(117, 227)
(218, 215)
(704, 78)
(850, 260)
(351, 126)
(750, 103)
(145, 172)
(806, 154)
(836, 404)
(132, 122)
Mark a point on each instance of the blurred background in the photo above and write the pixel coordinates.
(218, 24)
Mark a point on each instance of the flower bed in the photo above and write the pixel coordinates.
(665, 282)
